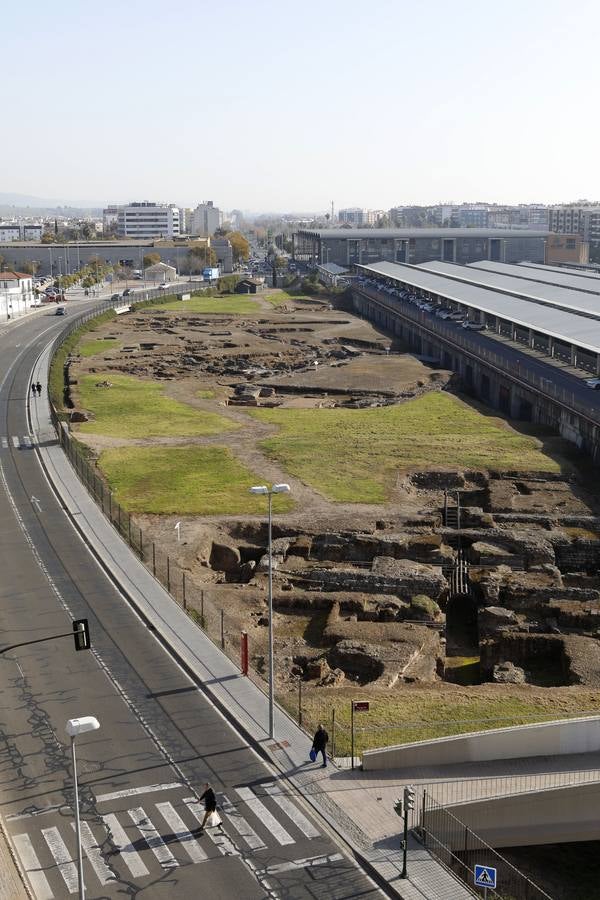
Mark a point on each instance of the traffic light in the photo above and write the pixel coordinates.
(81, 634)
(398, 808)
(409, 797)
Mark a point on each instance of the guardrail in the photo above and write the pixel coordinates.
(466, 343)
(460, 849)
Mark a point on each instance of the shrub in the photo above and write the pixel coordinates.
(423, 607)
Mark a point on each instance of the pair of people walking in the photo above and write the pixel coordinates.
(36, 386)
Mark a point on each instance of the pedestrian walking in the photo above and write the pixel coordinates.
(33, 388)
(210, 804)
(39, 389)
(320, 743)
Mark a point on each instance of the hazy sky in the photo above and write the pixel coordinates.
(288, 105)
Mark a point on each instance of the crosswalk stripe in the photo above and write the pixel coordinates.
(176, 823)
(4, 443)
(241, 825)
(268, 820)
(93, 853)
(66, 866)
(129, 856)
(291, 810)
(31, 864)
(152, 838)
(219, 839)
(15, 441)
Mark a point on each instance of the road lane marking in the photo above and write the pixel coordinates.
(308, 863)
(94, 854)
(130, 857)
(289, 808)
(31, 864)
(241, 825)
(268, 820)
(15, 441)
(218, 837)
(178, 827)
(4, 443)
(152, 838)
(132, 792)
(64, 860)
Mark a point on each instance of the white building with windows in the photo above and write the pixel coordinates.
(16, 295)
(148, 220)
(206, 218)
(19, 231)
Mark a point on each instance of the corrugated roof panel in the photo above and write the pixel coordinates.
(545, 276)
(547, 319)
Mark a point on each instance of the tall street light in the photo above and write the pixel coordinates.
(274, 489)
(74, 728)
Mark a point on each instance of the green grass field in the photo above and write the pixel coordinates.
(184, 481)
(354, 455)
(417, 715)
(234, 303)
(95, 347)
(133, 408)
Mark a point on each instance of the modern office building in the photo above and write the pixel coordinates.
(205, 219)
(17, 231)
(148, 220)
(347, 247)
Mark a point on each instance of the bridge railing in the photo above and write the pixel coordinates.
(460, 849)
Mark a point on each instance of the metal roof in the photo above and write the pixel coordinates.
(403, 233)
(543, 275)
(547, 294)
(591, 271)
(548, 320)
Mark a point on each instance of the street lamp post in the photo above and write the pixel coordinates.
(74, 728)
(274, 489)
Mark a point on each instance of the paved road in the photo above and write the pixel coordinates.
(160, 738)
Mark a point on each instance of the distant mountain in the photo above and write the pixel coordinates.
(26, 200)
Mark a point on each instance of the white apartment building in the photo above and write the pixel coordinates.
(206, 218)
(577, 219)
(19, 231)
(148, 220)
(16, 295)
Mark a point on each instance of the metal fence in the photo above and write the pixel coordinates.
(196, 601)
(460, 850)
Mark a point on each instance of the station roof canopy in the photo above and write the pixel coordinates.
(568, 299)
(590, 271)
(404, 233)
(545, 319)
(565, 279)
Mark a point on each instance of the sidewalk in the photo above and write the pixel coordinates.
(345, 799)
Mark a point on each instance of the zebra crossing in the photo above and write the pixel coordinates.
(164, 834)
(18, 441)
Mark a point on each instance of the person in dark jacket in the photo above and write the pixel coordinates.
(320, 743)
(210, 803)
(39, 389)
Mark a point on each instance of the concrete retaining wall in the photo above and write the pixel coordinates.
(547, 739)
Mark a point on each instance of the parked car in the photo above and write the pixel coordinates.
(473, 326)
(126, 292)
(60, 311)
(115, 297)
(164, 286)
(593, 383)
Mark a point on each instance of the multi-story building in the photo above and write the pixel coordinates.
(148, 220)
(472, 216)
(345, 246)
(206, 218)
(354, 216)
(16, 294)
(109, 218)
(17, 231)
(581, 219)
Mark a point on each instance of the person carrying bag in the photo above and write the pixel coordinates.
(319, 745)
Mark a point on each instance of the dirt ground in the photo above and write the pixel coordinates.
(301, 355)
